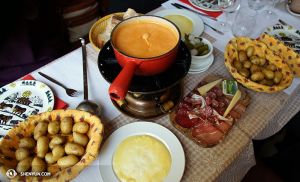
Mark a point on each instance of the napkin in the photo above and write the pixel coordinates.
(58, 104)
(210, 13)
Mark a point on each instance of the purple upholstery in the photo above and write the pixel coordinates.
(24, 51)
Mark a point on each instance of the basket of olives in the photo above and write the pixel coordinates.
(255, 66)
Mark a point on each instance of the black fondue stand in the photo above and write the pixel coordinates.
(148, 97)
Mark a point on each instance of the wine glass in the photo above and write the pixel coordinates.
(227, 6)
(270, 14)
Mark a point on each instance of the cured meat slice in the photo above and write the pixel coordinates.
(199, 85)
(206, 133)
(221, 101)
(188, 106)
(188, 99)
(220, 124)
(229, 120)
(235, 115)
(223, 126)
(217, 91)
(207, 111)
(207, 100)
(221, 110)
(215, 103)
(239, 108)
(198, 100)
(194, 92)
(212, 95)
(182, 118)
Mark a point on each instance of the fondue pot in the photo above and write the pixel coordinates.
(140, 66)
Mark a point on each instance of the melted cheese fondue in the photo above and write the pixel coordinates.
(142, 158)
(184, 24)
(145, 39)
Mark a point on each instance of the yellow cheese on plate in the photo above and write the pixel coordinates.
(204, 89)
(234, 100)
(142, 158)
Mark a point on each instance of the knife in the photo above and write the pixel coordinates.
(179, 6)
(218, 31)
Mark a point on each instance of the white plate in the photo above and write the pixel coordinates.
(282, 33)
(197, 21)
(203, 66)
(205, 5)
(22, 99)
(142, 128)
(290, 11)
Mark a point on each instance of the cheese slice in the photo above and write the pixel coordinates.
(204, 89)
(234, 100)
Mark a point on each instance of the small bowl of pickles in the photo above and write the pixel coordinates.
(200, 48)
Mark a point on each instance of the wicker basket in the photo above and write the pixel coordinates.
(98, 28)
(9, 144)
(260, 49)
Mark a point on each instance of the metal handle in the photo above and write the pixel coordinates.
(218, 31)
(85, 86)
(52, 80)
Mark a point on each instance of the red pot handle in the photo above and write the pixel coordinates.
(119, 87)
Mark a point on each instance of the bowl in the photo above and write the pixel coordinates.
(202, 59)
(260, 49)
(9, 144)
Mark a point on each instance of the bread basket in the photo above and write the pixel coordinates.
(99, 27)
(260, 49)
(9, 144)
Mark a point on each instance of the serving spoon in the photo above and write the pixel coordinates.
(87, 105)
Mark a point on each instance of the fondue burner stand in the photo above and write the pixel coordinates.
(148, 97)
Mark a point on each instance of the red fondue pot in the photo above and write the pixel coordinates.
(140, 66)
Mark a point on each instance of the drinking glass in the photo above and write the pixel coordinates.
(257, 4)
(270, 14)
(244, 22)
(227, 6)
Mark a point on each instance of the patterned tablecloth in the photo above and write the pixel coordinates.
(231, 159)
(234, 156)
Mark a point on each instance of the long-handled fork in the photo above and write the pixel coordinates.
(70, 92)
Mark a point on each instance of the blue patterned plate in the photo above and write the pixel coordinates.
(22, 99)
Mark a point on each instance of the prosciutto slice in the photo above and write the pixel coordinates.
(219, 124)
(239, 108)
(228, 120)
(234, 114)
(206, 133)
(183, 118)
